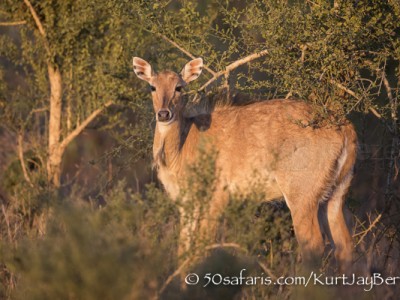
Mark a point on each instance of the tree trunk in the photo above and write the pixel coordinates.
(55, 151)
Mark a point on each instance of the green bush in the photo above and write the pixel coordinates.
(119, 251)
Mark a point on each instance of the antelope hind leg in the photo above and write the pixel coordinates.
(308, 234)
(342, 240)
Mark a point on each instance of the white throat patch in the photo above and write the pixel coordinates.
(164, 127)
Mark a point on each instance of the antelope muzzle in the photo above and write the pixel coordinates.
(164, 115)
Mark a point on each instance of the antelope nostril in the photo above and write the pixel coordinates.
(164, 115)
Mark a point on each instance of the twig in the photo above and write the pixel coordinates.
(83, 125)
(288, 95)
(35, 111)
(373, 110)
(233, 66)
(165, 38)
(325, 260)
(365, 232)
(359, 98)
(21, 158)
(15, 23)
(348, 91)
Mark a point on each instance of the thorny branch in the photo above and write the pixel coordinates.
(370, 227)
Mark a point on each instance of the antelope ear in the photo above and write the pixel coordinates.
(192, 70)
(142, 69)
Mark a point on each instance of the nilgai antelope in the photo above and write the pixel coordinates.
(310, 167)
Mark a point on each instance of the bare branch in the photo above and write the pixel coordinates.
(35, 111)
(387, 87)
(245, 60)
(233, 66)
(352, 93)
(83, 125)
(172, 276)
(39, 25)
(348, 91)
(176, 45)
(373, 110)
(35, 18)
(20, 149)
(288, 95)
(15, 23)
(165, 38)
(39, 110)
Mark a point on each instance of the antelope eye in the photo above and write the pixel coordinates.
(178, 89)
(152, 88)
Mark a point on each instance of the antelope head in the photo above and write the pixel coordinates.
(166, 87)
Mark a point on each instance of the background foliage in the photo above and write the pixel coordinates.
(102, 232)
